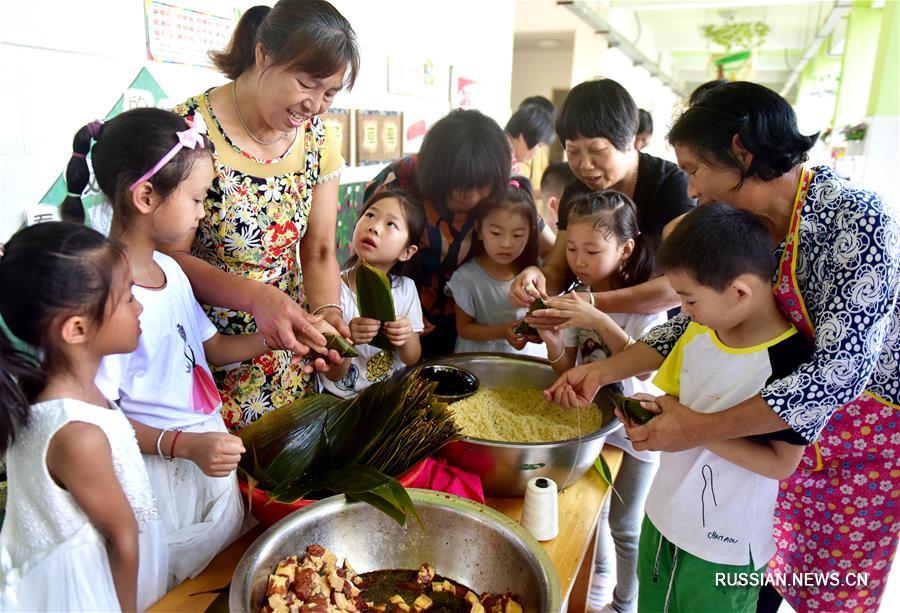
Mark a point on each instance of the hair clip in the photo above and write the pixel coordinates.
(514, 183)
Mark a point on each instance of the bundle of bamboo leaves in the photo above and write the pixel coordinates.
(321, 443)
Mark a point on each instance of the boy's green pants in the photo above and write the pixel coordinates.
(670, 580)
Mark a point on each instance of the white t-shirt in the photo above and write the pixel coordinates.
(702, 503)
(486, 299)
(592, 348)
(155, 384)
(374, 364)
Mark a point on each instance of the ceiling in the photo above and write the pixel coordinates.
(668, 31)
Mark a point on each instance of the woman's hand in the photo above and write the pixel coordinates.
(335, 317)
(572, 311)
(284, 324)
(363, 330)
(578, 386)
(516, 340)
(399, 331)
(215, 453)
(675, 428)
(528, 285)
(554, 341)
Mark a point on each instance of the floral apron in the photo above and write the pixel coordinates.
(836, 516)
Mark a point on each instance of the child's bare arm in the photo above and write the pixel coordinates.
(773, 459)
(224, 349)
(80, 460)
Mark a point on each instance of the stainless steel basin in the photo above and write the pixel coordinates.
(505, 468)
(463, 540)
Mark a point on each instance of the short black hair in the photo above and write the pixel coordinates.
(463, 150)
(715, 244)
(573, 190)
(533, 123)
(539, 101)
(763, 121)
(645, 122)
(703, 88)
(598, 109)
(556, 177)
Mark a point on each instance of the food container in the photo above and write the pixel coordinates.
(505, 468)
(453, 383)
(463, 540)
(269, 512)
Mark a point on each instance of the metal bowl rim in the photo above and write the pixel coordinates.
(418, 496)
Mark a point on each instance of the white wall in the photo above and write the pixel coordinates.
(64, 63)
(538, 73)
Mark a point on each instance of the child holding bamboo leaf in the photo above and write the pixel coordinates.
(382, 305)
(710, 510)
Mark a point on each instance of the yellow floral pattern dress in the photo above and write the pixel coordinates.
(256, 214)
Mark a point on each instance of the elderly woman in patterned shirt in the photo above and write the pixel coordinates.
(838, 248)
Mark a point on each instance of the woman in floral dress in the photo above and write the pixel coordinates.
(838, 280)
(272, 207)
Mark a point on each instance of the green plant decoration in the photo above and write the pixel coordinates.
(736, 34)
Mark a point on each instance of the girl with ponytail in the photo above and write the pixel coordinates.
(607, 252)
(81, 529)
(155, 169)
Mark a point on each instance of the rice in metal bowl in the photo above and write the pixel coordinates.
(521, 415)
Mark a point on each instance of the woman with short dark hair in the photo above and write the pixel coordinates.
(464, 160)
(529, 127)
(597, 124)
(838, 281)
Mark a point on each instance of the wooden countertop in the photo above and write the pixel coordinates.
(579, 509)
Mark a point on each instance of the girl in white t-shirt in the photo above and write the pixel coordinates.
(386, 237)
(81, 531)
(505, 243)
(155, 170)
(606, 251)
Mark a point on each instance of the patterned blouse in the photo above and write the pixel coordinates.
(848, 270)
(256, 214)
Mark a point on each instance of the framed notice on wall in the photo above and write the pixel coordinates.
(379, 136)
(183, 35)
(338, 120)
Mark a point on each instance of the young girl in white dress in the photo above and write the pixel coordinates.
(155, 170)
(505, 243)
(81, 531)
(386, 236)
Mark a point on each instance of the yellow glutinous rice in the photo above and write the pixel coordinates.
(521, 415)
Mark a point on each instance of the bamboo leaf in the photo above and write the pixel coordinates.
(606, 475)
(375, 488)
(633, 408)
(341, 345)
(373, 291)
(290, 433)
(526, 329)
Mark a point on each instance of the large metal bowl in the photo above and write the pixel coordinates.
(505, 468)
(463, 540)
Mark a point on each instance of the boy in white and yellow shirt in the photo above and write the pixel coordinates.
(710, 510)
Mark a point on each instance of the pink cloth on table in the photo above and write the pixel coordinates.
(442, 477)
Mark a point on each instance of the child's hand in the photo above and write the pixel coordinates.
(554, 341)
(216, 453)
(363, 330)
(577, 312)
(399, 331)
(514, 338)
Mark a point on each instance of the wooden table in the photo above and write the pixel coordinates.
(579, 509)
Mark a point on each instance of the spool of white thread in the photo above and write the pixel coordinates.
(540, 511)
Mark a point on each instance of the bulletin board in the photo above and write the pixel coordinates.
(182, 35)
(339, 121)
(379, 137)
